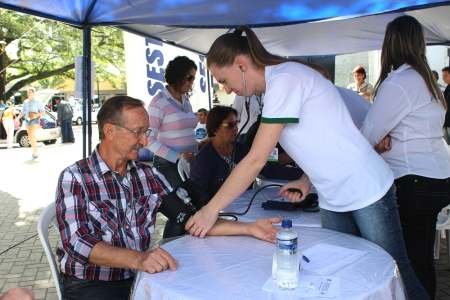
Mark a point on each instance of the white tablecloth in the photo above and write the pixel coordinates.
(237, 268)
(298, 217)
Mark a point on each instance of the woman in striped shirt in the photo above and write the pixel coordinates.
(172, 120)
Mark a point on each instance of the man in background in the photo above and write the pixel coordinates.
(65, 115)
(200, 129)
(446, 79)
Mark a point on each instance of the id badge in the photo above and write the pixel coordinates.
(273, 157)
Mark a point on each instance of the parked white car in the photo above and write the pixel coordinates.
(48, 133)
(77, 108)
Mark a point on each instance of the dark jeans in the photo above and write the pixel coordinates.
(78, 289)
(170, 172)
(380, 224)
(447, 134)
(67, 132)
(420, 199)
(168, 169)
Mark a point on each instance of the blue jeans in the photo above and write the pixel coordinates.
(380, 224)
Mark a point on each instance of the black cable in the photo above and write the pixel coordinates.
(233, 152)
(235, 214)
(17, 244)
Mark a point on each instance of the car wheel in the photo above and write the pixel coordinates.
(50, 142)
(23, 140)
(79, 121)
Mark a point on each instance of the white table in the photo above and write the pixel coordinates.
(298, 217)
(237, 268)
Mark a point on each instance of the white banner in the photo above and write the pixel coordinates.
(145, 62)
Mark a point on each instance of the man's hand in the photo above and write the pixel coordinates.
(384, 145)
(263, 229)
(17, 294)
(303, 184)
(200, 223)
(156, 260)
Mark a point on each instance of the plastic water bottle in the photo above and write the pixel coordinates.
(286, 257)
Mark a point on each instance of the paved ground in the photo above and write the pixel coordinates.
(26, 186)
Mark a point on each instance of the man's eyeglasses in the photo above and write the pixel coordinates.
(230, 124)
(137, 133)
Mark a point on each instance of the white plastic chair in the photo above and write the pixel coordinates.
(184, 168)
(442, 228)
(46, 218)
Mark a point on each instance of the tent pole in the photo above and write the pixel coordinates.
(87, 88)
(209, 88)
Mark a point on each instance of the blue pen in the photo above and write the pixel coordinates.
(305, 259)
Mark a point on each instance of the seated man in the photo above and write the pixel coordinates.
(106, 209)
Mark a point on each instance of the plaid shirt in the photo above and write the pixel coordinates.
(95, 204)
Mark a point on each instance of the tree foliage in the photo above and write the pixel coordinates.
(47, 51)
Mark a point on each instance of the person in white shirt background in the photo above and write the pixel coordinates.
(405, 124)
(446, 79)
(436, 77)
(357, 106)
(200, 129)
(363, 88)
(250, 111)
(305, 113)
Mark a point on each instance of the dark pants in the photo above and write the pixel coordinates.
(420, 199)
(170, 172)
(168, 169)
(67, 132)
(77, 289)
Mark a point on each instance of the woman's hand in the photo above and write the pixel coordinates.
(384, 145)
(187, 155)
(34, 115)
(200, 223)
(303, 184)
(263, 229)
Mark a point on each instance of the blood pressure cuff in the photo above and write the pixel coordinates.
(310, 204)
(183, 202)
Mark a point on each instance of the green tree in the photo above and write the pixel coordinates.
(47, 51)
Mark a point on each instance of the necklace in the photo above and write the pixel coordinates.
(229, 161)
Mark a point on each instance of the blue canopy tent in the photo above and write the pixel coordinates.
(286, 27)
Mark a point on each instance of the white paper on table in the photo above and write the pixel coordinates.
(308, 286)
(325, 259)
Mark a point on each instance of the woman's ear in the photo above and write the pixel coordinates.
(242, 62)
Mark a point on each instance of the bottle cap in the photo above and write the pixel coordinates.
(286, 223)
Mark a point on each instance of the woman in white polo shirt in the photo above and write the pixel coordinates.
(409, 108)
(305, 113)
